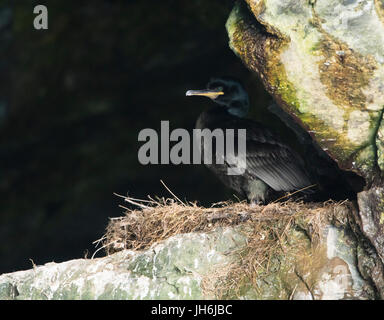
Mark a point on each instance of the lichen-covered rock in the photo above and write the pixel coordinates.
(323, 61)
(308, 259)
(170, 270)
(371, 204)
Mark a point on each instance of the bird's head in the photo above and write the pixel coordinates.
(226, 92)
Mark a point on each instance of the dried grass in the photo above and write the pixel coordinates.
(150, 221)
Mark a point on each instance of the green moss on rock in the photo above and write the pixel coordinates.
(327, 79)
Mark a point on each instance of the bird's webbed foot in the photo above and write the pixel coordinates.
(257, 192)
(256, 202)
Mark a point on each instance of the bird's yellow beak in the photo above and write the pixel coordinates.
(210, 93)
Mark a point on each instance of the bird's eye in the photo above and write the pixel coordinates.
(216, 86)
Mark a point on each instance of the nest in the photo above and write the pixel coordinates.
(267, 229)
(151, 221)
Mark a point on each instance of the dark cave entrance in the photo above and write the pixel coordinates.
(333, 182)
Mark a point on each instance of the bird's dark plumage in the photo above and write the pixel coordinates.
(270, 164)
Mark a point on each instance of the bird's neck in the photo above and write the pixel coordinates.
(214, 118)
(237, 112)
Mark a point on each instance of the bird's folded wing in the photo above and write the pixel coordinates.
(276, 165)
(268, 159)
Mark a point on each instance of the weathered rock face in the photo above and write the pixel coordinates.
(313, 256)
(171, 270)
(323, 61)
(371, 217)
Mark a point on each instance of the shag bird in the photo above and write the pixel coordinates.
(270, 164)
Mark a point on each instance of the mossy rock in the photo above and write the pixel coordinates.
(322, 61)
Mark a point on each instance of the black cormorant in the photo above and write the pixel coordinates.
(270, 164)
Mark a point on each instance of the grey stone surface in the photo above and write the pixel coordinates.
(186, 266)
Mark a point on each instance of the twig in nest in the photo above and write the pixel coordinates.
(165, 186)
(291, 194)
